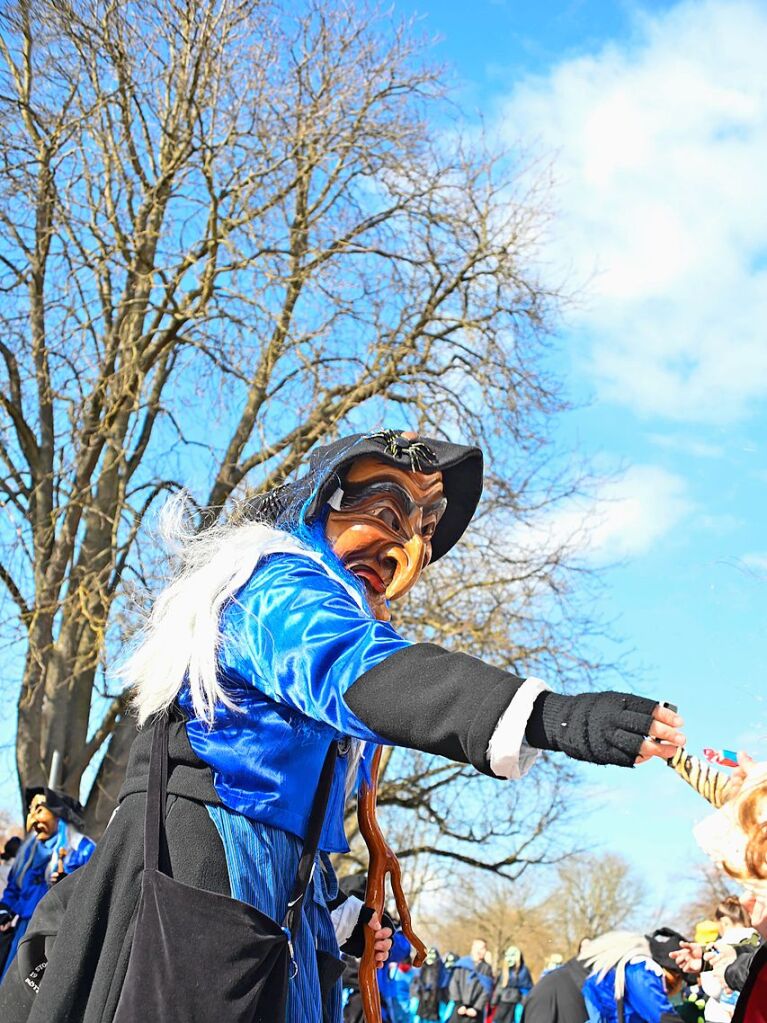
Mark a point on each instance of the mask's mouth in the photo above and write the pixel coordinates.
(370, 578)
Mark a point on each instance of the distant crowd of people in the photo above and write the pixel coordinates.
(618, 977)
(453, 989)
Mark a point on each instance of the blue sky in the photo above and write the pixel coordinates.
(653, 120)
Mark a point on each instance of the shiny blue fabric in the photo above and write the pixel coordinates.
(26, 883)
(25, 887)
(293, 641)
(645, 999)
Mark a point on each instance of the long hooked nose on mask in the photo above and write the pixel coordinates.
(410, 559)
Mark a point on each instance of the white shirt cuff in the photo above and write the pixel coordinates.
(510, 756)
(345, 918)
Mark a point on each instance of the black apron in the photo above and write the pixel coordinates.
(198, 956)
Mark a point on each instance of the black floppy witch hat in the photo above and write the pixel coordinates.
(461, 466)
(61, 805)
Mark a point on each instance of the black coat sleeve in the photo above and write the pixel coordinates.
(427, 698)
(736, 973)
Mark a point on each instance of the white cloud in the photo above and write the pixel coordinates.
(757, 562)
(661, 146)
(625, 517)
(687, 445)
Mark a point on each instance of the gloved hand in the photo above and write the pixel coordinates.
(355, 943)
(601, 728)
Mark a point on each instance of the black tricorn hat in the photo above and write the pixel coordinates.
(461, 466)
(61, 805)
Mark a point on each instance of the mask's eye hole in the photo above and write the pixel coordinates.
(391, 519)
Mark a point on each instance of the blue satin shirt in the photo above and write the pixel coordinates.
(294, 639)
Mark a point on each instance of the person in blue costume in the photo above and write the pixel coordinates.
(633, 978)
(272, 640)
(53, 847)
(395, 994)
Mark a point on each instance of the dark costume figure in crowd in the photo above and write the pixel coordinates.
(53, 848)
(430, 988)
(557, 998)
(471, 984)
(272, 642)
(513, 987)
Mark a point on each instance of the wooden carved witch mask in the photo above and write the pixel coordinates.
(381, 525)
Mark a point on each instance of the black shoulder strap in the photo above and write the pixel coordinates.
(154, 820)
(156, 794)
(311, 841)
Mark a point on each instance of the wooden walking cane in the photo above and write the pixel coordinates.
(382, 861)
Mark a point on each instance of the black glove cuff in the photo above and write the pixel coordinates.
(537, 728)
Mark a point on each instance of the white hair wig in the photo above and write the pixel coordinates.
(614, 950)
(181, 636)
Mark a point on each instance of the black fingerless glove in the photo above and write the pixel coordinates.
(601, 728)
(355, 943)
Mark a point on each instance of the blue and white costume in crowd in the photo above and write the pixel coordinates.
(26, 885)
(30, 875)
(394, 983)
(644, 1000)
(79, 849)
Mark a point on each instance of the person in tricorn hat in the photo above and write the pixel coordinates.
(272, 641)
(54, 846)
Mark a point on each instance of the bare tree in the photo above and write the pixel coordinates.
(500, 913)
(590, 895)
(712, 887)
(446, 817)
(228, 229)
(594, 894)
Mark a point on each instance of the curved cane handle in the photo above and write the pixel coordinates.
(713, 785)
(382, 861)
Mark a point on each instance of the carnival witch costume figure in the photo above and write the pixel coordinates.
(54, 846)
(271, 648)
